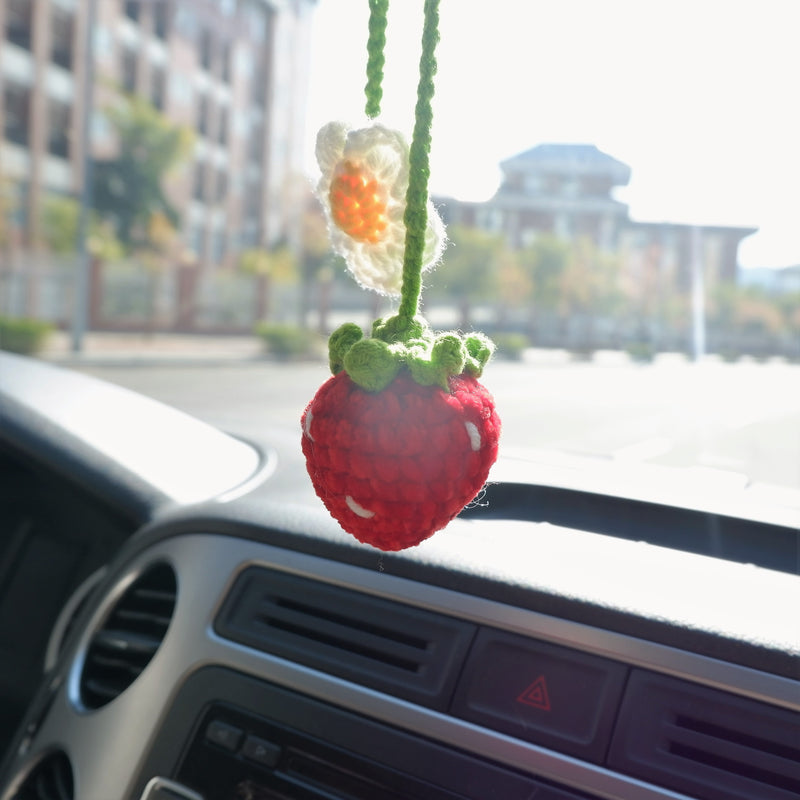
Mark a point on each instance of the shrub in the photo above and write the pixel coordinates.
(288, 341)
(22, 335)
(641, 352)
(510, 345)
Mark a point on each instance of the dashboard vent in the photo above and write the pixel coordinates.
(406, 651)
(707, 743)
(51, 779)
(132, 633)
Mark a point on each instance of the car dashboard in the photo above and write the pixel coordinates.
(169, 633)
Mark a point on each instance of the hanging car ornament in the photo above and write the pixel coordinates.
(403, 435)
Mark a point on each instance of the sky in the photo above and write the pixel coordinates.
(701, 98)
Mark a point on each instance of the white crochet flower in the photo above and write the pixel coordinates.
(363, 191)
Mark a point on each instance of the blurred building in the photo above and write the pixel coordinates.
(235, 71)
(567, 190)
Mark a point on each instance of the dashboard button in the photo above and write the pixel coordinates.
(261, 751)
(546, 694)
(223, 734)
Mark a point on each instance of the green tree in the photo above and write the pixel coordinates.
(589, 284)
(60, 219)
(276, 264)
(129, 189)
(469, 270)
(545, 261)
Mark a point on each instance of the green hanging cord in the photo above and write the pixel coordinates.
(375, 57)
(416, 213)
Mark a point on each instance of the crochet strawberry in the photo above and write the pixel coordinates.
(396, 466)
(402, 436)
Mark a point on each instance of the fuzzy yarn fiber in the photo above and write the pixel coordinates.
(394, 467)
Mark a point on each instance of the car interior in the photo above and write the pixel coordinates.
(170, 633)
(182, 619)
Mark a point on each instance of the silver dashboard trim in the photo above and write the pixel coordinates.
(207, 564)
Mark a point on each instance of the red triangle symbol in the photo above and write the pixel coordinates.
(536, 695)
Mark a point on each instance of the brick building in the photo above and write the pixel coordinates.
(566, 190)
(233, 70)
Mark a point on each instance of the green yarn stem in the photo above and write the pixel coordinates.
(375, 57)
(416, 213)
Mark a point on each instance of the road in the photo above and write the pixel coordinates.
(735, 418)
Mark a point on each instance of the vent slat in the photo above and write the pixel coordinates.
(107, 690)
(345, 637)
(50, 780)
(721, 753)
(406, 651)
(98, 661)
(705, 742)
(148, 618)
(119, 641)
(120, 650)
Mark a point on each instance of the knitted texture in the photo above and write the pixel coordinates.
(375, 59)
(416, 214)
(363, 186)
(396, 466)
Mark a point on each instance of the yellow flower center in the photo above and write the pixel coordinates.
(357, 204)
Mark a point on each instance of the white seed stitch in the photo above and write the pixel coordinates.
(307, 425)
(357, 509)
(474, 435)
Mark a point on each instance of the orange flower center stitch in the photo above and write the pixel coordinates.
(357, 205)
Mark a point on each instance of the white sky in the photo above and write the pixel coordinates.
(701, 98)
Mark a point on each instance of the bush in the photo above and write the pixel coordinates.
(510, 345)
(288, 341)
(25, 336)
(641, 352)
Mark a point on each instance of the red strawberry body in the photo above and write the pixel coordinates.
(395, 466)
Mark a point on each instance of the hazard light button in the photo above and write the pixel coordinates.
(553, 696)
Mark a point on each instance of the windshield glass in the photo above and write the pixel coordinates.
(618, 181)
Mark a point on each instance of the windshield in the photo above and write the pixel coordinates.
(618, 181)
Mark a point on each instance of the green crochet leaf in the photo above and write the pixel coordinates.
(372, 364)
(340, 342)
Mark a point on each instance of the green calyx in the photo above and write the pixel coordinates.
(400, 342)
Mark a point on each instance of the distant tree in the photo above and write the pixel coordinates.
(268, 265)
(8, 205)
(544, 261)
(129, 189)
(60, 219)
(514, 284)
(315, 261)
(469, 270)
(589, 285)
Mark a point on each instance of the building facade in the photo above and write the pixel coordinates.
(234, 71)
(566, 190)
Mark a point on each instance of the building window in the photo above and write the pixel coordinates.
(63, 27)
(222, 186)
(129, 70)
(205, 49)
(132, 9)
(58, 127)
(15, 121)
(217, 246)
(202, 115)
(226, 62)
(223, 126)
(252, 202)
(161, 19)
(199, 190)
(258, 90)
(18, 22)
(256, 145)
(159, 87)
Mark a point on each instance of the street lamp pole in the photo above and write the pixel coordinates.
(698, 295)
(80, 312)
